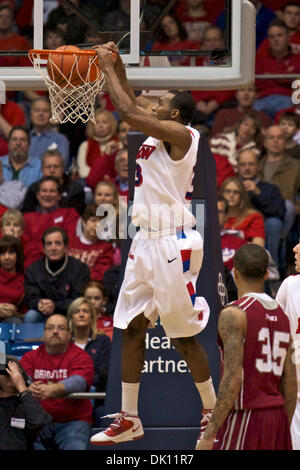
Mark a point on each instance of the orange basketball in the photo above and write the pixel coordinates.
(65, 68)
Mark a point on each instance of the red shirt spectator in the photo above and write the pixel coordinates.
(102, 140)
(11, 114)
(230, 244)
(224, 169)
(88, 248)
(97, 256)
(48, 368)
(35, 225)
(251, 226)
(279, 60)
(9, 40)
(197, 16)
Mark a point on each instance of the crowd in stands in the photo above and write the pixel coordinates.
(54, 267)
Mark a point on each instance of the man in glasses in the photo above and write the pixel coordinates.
(58, 367)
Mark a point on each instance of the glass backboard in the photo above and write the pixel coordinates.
(140, 28)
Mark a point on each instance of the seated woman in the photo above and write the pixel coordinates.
(82, 322)
(102, 140)
(172, 36)
(98, 295)
(242, 218)
(245, 135)
(11, 280)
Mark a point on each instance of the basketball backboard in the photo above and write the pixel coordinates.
(151, 69)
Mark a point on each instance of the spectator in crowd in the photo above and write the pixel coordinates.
(21, 415)
(10, 40)
(98, 295)
(265, 198)
(54, 38)
(96, 254)
(11, 279)
(106, 192)
(54, 281)
(231, 240)
(12, 193)
(290, 15)
(19, 164)
(121, 165)
(82, 322)
(11, 114)
(47, 214)
(295, 108)
(283, 171)
(111, 169)
(241, 216)
(275, 94)
(264, 15)
(225, 119)
(118, 19)
(208, 102)
(290, 124)
(58, 367)
(102, 140)
(122, 131)
(12, 224)
(72, 192)
(197, 15)
(246, 135)
(67, 20)
(172, 36)
(42, 137)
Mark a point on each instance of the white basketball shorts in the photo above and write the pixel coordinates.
(159, 281)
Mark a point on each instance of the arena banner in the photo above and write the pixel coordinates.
(169, 403)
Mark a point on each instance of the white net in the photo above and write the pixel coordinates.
(69, 101)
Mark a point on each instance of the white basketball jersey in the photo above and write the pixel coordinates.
(163, 187)
(288, 296)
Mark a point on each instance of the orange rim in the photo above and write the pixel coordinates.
(44, 53)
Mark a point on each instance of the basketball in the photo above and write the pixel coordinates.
(68, 70)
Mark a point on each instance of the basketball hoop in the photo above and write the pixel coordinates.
(73, 79)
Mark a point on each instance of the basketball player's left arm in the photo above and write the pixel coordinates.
(232, 329)
(134, 111)
(288, 383)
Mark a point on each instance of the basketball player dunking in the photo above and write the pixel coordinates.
(257, 393)
(166, 254)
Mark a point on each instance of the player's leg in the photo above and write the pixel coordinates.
(133, 356)
(195, 357)
(127, 426)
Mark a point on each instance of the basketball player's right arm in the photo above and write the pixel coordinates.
(232, 329)
(288, 382)
(132, 112)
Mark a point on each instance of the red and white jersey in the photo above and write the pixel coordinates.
(288, 297)
(163, 187)
(265, 348)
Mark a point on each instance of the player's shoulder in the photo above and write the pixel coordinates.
(291, 282)
(250, 299)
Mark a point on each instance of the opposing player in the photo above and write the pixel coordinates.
(258, 389)
(166, 254)
(288, 296)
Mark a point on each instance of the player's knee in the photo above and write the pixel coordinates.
(136, 330)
